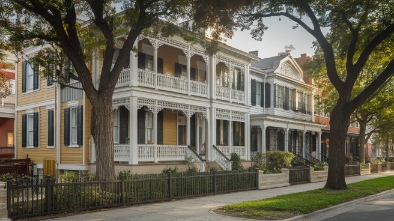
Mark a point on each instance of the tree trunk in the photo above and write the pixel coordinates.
(102, 130)
(363, 126)
(339, 123)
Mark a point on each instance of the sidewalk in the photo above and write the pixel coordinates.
(199, 208)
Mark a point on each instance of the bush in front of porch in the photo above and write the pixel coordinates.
(272, 161)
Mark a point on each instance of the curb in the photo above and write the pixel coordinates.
(356, 201)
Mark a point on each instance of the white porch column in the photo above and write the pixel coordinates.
(155, 134)
(247, 136)
(304, 144)
(230, 134)
(246, 84)
(287, 140)
(188, 56)
(211, 116)
(203, 135)
(212, 78)
(318, 145)
(197, 133)
(134, 65)
(155, 47)
(230, 70)
(263, 139)
(188, 115)
(133, 131)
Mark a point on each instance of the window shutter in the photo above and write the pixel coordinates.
(141, 60)
(193, 130)
(24, 129)
(217, 132)
(160, 128)
(67, 69)
(238, 80)
(225, 132)
(67, 126)
(253, 92)
(242, 141)
(192, 74)
(235, 137)
(35, 129)
(160, 65)
(261, 94)
(276, 96)
(35, 77)
(178, 70)
(49, 81)
(141, 126)
(253, 139)
(80, 125)
(24, 76)
(286, 104)
(294, 99)
(267, 95)
(50, 128)
(123, 124)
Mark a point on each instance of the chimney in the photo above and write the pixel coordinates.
(256, 53)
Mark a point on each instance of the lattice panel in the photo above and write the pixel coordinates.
(198, 109)
(120, 102)
(230, 63)
(238, 116)
(182, 107)
(222, 114)
(146, 102)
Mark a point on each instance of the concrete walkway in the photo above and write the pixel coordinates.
(200, 208)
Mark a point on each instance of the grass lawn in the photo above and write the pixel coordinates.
(290, 205)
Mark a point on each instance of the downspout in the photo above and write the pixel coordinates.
(15, 112)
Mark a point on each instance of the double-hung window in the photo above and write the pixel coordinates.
(115, 116)
(148, 127)
(30, 77)
(73, 126)
(258, 94)
(30, 130)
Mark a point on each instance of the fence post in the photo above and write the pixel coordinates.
(214, 181)
(9, 195)
(257, 178)
(170, 185)
(122, 189)
(48, 193)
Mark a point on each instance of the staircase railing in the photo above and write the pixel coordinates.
(200, 161)
(311, 158)
(221, 159)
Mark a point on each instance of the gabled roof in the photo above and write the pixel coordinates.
(268, 63)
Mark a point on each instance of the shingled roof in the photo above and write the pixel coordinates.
(268, 63)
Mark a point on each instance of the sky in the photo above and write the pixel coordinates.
(278, 35)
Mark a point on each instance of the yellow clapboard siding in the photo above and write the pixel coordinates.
(169, 127)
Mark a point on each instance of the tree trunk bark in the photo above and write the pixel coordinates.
(363, 126)
(102, 130)
(339, 123)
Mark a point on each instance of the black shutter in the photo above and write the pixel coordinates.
(24, 76)
(123, 124)
(141, 126)
(242, 141)
(276, 96)
(160, 127)
(239, 80)
(267, 137)
(192, 74)
(49, 81)
(160, 65)
(80, 125)
(193, 130)
(217, 132)
(141, 60)
(253, 139)
(67, 126)
(35, 129)
(67, 69)
(50, 128)
(286, 104)
(24, 129)
(253, 92)
(225, 133)
(233, 132)
(261, 94)
(35, 77)
(178, 70)
(267, 95)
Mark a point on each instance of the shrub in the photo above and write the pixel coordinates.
(236, 165)
(272, 161)
(170, 170)
(349, 158)
(69, 177)
(258, 161)
(4, 177)
(319, 166)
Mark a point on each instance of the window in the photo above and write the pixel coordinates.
(148, 127)
(149, 62)
(51, 128)
(73, 126)
(258, 93)
(301, 107)
(30, 130)
(307, 103)
(279, 96)
(115, 117)
(29, 77)
(10, 139)
(291, 99)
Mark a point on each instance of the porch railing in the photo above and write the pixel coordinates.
(177, 84)
(122, 152)
(198, 159)
(124, 78)
(146, 78)
(222, 93)
(147, 152)
(221, 159)
(238, 96)
(228, 150)
(198, 89)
